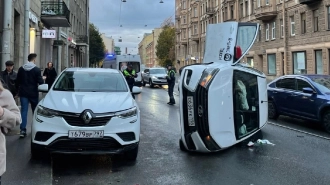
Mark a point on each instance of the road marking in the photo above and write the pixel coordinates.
(297, 130)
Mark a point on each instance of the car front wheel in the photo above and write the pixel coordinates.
(272, 112)
(326, 120)
(132, 154)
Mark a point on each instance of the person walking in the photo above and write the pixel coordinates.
(28, 79)
(130, 74)
(171, 83)
(50, 74)
(8, 77)
(9, 118)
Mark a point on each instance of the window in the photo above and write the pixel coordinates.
(281, 28)
(293, 29)
(286, 83)
(316, 20)
(328, 15)
(267, 2)
(245, 99)
(97, 82)
(252, 6)
(158, 71)
(250, 61)
(303, 23)
(184, 4)
(259, 38)
(184, 19)
(195, 11)
(232, 12)
(241, 9)
(258, 3)
(273, 30)
(267, 32)
(271, 61)
(299, 62)
(195, 29)
(226, 13)
(302, 84)
(246, 8)
(319, 62)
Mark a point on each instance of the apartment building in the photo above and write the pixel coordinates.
(109, 43)
(293, 36)
(147, 48)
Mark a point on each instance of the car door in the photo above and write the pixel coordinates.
(283, 94)
(146, 75)
(304, 104)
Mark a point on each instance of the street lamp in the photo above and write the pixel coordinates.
(123, 1)
(161, 1)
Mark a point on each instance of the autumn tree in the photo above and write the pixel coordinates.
(166, 44)
(96, 45)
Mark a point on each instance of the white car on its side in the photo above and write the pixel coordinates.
(87, 111)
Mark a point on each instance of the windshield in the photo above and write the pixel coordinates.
(157, 71)
(123, 66)
(322, 83)
(110, 64)
(81, 81)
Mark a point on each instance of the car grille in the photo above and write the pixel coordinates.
(202, 119)
(161, 78)
(76, 120)
(64, 143)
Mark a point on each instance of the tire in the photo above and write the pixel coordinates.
(272, 112)
(182, 147)
(132, 154)
(326, 120)
(150, 83)
(143, 83)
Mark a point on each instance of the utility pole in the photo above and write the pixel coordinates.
(26, 31)
(6, 34)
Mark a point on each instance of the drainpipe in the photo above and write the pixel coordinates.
(87, 33)
(66, 61)
(6, 35)
(26, 31)
(284, 39)
(59, 47)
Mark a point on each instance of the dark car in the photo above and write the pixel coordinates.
(301, 96)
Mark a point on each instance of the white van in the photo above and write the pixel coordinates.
(221, 101)
(120, 62)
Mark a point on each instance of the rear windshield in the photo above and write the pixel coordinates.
(157, 71)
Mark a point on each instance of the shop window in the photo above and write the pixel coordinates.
(318, 62)
(299, 62)
(271, 61)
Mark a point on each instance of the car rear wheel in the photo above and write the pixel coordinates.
(272, 112)
(182, 147)
(326, 120)
(132, 154)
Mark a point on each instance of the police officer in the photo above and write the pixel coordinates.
(171, 82)
(130, 74)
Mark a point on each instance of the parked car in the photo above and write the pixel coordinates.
(154, 76)
(88, 111)
(301, 96)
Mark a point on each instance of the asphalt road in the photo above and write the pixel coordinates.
(299, 156)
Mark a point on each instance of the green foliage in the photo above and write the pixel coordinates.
(96, 45)
(165, 46)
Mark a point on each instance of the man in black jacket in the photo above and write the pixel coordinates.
(28, 79)
(9, 77)
(171, 83)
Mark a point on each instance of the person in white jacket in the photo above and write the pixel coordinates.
(10, 117)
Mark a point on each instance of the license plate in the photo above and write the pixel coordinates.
(190, 108)
(86, 134)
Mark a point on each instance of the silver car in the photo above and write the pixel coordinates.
(154, 76)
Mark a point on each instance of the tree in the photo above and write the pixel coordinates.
(96, 45)
(166, 44)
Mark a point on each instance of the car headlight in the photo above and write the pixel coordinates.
(154, 77)
(127, 113)
(42, 111)
(207, 76)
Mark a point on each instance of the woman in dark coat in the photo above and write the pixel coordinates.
(50, 74)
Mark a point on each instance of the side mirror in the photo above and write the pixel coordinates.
(136, 90)
(43, 88)
(308, 90)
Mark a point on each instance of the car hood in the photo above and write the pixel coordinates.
(98, 102)
(159, 75)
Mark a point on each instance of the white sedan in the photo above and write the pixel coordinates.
(89, 111)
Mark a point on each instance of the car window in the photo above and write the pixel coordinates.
(147, 70)
(302, 84)
(157, 71)
(135, 65)
(287, 83)
(81, 81)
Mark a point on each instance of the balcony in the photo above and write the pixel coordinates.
(194, 19)
(307, 2)
(266, 13)
(82, 40)
(55, 14)
(210, 11)
(184, 41)
(194, 37)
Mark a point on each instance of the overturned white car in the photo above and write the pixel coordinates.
(222, 102)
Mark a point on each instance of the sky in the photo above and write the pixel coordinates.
(136, 17)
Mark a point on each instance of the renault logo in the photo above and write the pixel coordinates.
(200, 111)
(87, 117)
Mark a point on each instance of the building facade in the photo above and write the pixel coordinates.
(109, 43)
(293, 36)
(57, 33)
(147, 48)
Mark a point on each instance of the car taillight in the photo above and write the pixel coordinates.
(238, 52)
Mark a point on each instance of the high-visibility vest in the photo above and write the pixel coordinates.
(126, 73)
